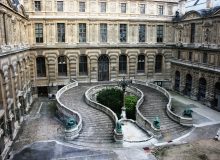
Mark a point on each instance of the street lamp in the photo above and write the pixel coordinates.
(123, 84)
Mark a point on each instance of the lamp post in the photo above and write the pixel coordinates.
(123, 84)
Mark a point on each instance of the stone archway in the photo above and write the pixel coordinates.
(103, 68)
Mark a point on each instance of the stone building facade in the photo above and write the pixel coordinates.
(195, 66)
(46, 43)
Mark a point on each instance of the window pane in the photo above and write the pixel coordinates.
(60, 6)
(102, 7)
(123, 7)
(103, 32)
(160, 33)
(192, 38)
(39, 32)
(160, 10)
(123, 32)
(41, 68)
(62, 66)
(83, 70)
(37, 6)
(61, 32)
(142, 32)
(142, 8)
(122, 64)
(141, 64)
(82, 32)
(82, 6)
(158, 63)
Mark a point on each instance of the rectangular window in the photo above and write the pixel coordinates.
(82, 32)
(204, 58)
(142, 32)
(103, 7)
(60, 6)
(122, 64)
(39, 32)
(192, 35)
(103, 32)
(190, 56)
(83, 69)
(123, 7)
(123, 32)
(61, 32)
(160, 9)
(37, 5)
(82, 6)
(179, 55)
(142, 8)
(160, 33)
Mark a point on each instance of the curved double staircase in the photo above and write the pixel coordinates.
(98, 127)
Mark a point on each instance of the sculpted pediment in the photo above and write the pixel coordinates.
(191, 15)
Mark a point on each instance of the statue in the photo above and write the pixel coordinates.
(118, 127)
(156, 122)
(187, 112)
(70, 123)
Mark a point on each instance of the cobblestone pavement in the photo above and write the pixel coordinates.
(40, 124)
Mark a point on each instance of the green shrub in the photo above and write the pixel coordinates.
(130, 103)
(112, 98)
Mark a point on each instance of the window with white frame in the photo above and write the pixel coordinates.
(103, 32)
(37, 5)
(123, 32)
(142, 8)
(60, 6)
(103, 7)
(82, 32)
(82, 6)
(160, 9)
(123, 7)
(142, 29)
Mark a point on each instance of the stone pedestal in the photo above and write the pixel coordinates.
(118, 137)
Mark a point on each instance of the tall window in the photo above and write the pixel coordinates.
(39, 32)
(102, 7)
(82, 6)
(82, 32)
(61, 32)
(142, 32)
(204, 57)
(160, 9)
(141, 64)
(41, 67)
(103, 32)
(177, 81)
(142, 8)
(188, 85)
(123, 7)
(123, 32)
(37, 5)
(122, 64)
(60, 6)
(83, 69)
(202, 89)
(160, 33)
(62, 66)
(158, 63)
(192, 35)
(190, 56)
(179, 55)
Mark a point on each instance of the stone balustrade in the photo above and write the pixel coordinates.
(179, 119)
(72, 133)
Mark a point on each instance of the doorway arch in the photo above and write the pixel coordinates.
(103, 68)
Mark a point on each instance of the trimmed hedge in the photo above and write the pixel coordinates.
(113, 98)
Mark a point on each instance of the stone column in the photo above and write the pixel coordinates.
(113, 65)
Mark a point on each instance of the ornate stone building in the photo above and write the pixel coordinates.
(102, 40)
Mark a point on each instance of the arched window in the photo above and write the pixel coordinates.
(141, 64)
(188, 85)
(62, 66)
(202, 89)
(158, 63)
(177, 81)
(83, 67)
(122, 64)
(41, 67)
